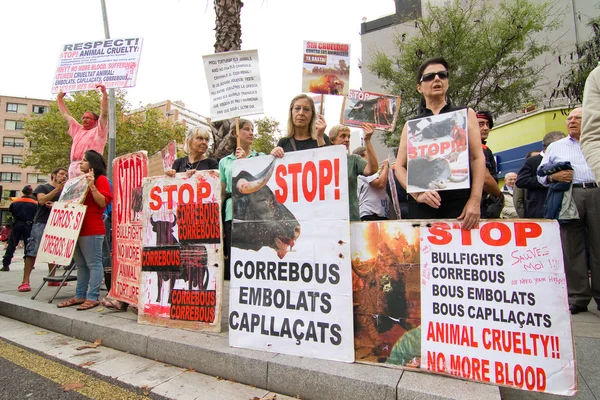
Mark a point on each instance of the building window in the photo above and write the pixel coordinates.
(10, 177)
(13, 142)
(14, 125)
(16, 108)
(37, 178)
(10, 159)
(40, 110)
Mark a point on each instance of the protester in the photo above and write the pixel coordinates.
(5, 234)
(373, 200)
(576, 232)
(527, 178)
(463, 204)
(46, 195)
(88, 252)
(246, 137)
(195, 145)
(340, 135)
(90, 134)
(305, 128)
(590, 131)
(23, 211)
(509, 210)
(489, 203)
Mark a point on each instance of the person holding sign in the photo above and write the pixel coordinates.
(46, 195)
(88, 252)
(244, 150)
(92, 133)
(463, 204)
(357, 165)
(306, 128)
(196, 144)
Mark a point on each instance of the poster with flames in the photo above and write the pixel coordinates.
(326, 68)
(438, 152)
(488, 305)
(129, 172)
(291, 289)
(182, 260)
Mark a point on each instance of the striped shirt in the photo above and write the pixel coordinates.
(568, 149)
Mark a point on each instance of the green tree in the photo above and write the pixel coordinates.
(267, 134)
(51, 144)
(490, 50)
(587, 57)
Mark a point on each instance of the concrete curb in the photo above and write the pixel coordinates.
(211, 354)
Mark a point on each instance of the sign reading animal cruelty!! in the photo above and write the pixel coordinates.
(234, 86)
(61, 233)
(438, 152)
(493, 301)
(182, 259)
(129, 172)
(290, 288)
(112, 62)
(373, 108)
(326, 68)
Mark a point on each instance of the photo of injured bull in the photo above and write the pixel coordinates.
(75, 190)
(326, 68)
(438, 155)
(387, 293)
(268, 223)
(373, 108)
(182, 259)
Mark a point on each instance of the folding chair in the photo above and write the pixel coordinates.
(65, 277)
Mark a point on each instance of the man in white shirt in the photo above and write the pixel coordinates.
(374, 204)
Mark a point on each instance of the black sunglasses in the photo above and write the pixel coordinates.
(431, 76)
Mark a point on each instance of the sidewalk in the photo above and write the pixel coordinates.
(210, 353)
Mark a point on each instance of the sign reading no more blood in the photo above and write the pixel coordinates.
(234, 87)
(61, 233)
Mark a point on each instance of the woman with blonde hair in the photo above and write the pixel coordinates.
(195, 145)
(305, 128)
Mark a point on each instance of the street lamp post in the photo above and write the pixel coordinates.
(112, 106)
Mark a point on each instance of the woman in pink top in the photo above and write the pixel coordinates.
(91, 134)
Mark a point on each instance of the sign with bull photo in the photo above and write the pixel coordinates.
(182, 260)
(291, 289)
(373, 108)
(438, 152)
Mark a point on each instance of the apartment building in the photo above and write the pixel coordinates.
(13, 176)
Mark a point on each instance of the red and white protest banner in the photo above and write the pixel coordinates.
(129, 171)
(290, 289)
(61, 233)
(111, 62)
(234, 86)
(488, 305)
(494, 305)
(326, 68)
(438, 152)
(182, 258)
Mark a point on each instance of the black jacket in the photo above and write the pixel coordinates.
(536, 192)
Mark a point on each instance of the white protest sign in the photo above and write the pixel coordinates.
(291, 285)
(112, 62)
(233, 80)
(60, 235)
(494, 305)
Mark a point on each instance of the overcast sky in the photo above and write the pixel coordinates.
(176, 34)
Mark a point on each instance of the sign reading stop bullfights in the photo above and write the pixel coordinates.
(494, 305)
(61, 233)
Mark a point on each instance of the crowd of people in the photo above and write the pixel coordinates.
(557, 183)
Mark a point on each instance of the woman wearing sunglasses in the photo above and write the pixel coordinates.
(462, 204)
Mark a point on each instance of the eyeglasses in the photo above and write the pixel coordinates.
(431, 76)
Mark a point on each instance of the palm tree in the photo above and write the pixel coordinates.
(228, 37)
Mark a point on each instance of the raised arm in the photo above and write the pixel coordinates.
(62, 107)
(372, 164)
(103, 107)
(382, 181)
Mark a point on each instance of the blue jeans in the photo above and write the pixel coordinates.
(88, 257)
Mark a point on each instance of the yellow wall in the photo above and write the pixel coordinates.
(527, 129)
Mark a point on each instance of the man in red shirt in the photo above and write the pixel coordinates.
(91, 134)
